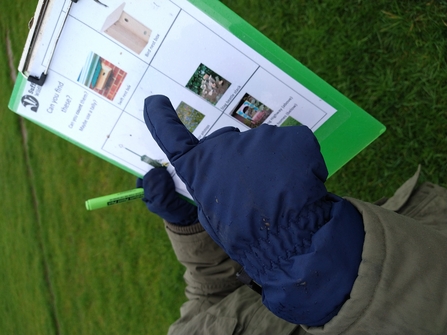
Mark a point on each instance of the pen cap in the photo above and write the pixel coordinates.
(117, 198)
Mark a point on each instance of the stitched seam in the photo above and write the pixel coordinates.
(419, 207)
(253, 315)
(362, 314)
(160, 143)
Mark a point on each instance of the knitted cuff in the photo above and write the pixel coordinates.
(185, 230)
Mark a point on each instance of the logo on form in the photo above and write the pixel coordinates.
(31, 102)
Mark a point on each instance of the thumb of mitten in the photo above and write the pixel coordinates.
(160, 198)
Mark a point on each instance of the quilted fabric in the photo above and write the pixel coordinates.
(160, 198)
(261, 197)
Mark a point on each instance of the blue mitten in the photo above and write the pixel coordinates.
(261, 197)
(160, 198)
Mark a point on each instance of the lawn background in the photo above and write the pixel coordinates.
(64, 270)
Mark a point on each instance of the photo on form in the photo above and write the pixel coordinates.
(127, 30)
(208, 84)
(101, 76)
(189, 116)
(251, 112)
(290, 121)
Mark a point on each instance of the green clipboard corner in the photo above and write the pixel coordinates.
(13, 104)
(17, 92)
(347, 132)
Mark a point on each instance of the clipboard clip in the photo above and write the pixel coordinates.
(38, 80)
(41, 80)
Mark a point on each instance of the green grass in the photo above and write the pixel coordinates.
(65, 270)
(68, 271)
(389, 57)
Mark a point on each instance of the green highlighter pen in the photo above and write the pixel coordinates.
(113, 199)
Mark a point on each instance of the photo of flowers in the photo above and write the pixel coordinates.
(208, 84)
(251, 111)
(189, 116)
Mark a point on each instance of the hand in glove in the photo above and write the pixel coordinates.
(160, 198)
(261, 197)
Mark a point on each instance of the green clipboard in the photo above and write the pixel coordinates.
(348, 131)
(342, 136)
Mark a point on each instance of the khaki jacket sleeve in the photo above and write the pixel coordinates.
(401, 287)
(217, 302)
(210, 274)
